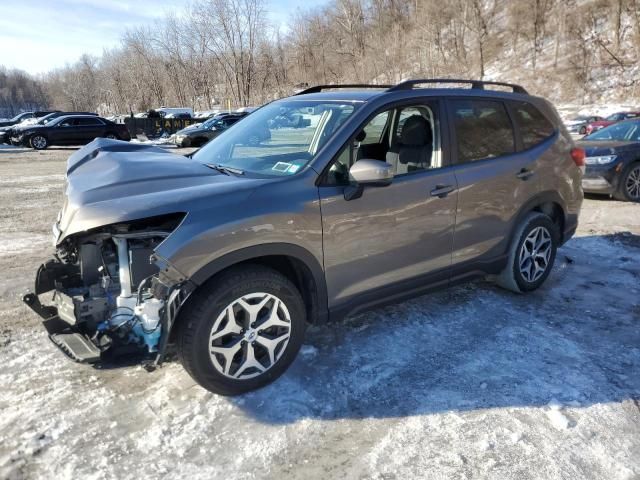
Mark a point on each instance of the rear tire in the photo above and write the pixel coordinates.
(230, 349)
(583, 130)
(112, 136)
(531, 254)
(39, 142)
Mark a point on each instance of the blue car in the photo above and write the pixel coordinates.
(613, 161)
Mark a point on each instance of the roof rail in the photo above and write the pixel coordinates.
(475, 84)
(319, 88)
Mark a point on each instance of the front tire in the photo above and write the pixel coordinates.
(39, 142)
(241, 330)
(583, 130)
(629, 185)
(531, 254)
(112, 136)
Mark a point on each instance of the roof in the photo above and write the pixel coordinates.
(364, 92)
(340, 95)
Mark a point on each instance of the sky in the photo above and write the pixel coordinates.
(40, 35)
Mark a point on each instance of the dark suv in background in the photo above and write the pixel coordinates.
(381, 194)
(199, 134)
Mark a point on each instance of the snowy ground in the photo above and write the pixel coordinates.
(470, 383)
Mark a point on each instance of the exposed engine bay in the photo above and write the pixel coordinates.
(108, 298)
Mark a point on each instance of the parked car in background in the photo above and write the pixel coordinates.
(6, 133)
(174, 112)
(613, 161)
(610, 120)
(69, 130)
(246, 110)
(25, 116)
(205, 114)
(578, 125)
(198, 135)
(230, 253)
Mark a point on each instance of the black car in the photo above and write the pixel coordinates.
(25, 116)
(198, 135)
(613, 161)
(69, 130)
(11, 131)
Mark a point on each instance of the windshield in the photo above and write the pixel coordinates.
(212, 122)
(55, 121)
(18, 117)
(47, 118)
(625, 131)
(278, 139)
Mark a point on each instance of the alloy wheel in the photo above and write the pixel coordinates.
(535, 254)
(38, 142)
(249, 336)
(632, 183)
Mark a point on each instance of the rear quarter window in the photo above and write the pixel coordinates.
(533, 125)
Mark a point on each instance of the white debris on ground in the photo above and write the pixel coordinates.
(473, 382)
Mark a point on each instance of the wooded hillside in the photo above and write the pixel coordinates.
(225, 50)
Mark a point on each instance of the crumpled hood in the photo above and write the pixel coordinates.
(110, 181)
(595, 148)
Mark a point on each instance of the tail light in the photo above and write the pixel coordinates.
(578, 155)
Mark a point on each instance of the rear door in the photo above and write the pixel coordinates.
(89, 128)
(495, 176)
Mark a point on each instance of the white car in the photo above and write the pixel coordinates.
(579, 124)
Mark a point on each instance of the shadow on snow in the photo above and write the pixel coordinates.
(577, 339)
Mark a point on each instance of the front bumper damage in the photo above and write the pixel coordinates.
(77, 323)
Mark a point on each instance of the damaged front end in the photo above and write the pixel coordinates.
(110, 298)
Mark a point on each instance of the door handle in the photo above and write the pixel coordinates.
(442, 191)
(524, 174)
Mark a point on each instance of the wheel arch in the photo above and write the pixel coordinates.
(551, 204)
(27, 139)
(294, 262)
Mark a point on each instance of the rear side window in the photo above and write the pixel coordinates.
(534, 127)
(483, 129)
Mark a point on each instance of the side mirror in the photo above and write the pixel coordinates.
(371, 172)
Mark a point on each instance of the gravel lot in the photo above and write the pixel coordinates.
(473, 382)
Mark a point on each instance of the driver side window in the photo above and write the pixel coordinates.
(406, 137)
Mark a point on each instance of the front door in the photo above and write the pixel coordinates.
(390, 237)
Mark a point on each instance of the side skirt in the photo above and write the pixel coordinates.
(417, 286)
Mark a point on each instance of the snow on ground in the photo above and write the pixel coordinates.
(473, 382)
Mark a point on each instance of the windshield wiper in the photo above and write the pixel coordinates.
(224, 169)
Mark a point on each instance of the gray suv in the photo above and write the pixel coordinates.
(226, 255)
